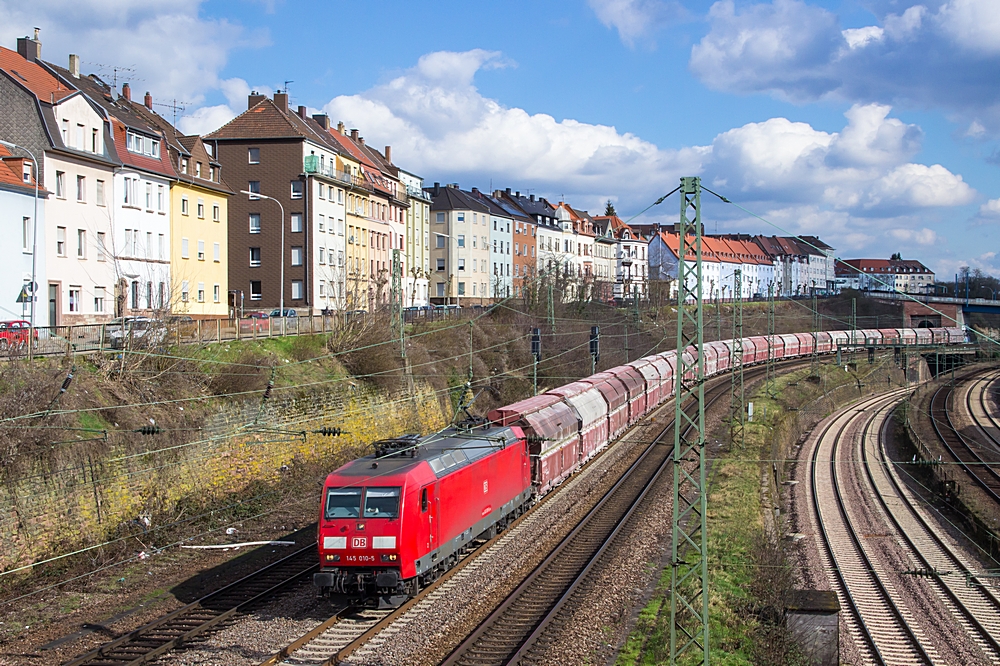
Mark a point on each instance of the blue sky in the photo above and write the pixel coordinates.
(872, 123)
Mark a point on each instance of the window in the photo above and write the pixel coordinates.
(26, 234)
(144, 145)
(297, 256)
(322, 255)
(61, 184)
(99, 295)
(197, 169)
(322, 288)
(440, 289)
(184, 248)
(81, 244)
(440, 217)
(184, 206)
(255, 293)
(296, 289)
(473, 241)
(296, 189)
(461, 240)
(185, 291)
(79, 137)
(201, 292)
(201, 250)
(322, 190)
(253, 186)
(255, 223)
(296, 222)
(102, 252)
(461, 217)
(26, 172)
(95, 142)
(439, 239)
(322, 222)
(381, 502)
(135, 295)
(61, 241)
(253, 156)
(461, 289)
(75, 299)
(201, 209)
(440, 264)
(100, 193)
(211, 173)
(216, 213)
(162, 250)
(343, 503)
(149, 196)
(340, 196)
(255, 256)
(461, 264)
(149, 295)
(216, 293)
(216, 252)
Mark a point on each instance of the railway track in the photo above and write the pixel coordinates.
(194, 620)
(978, 462)
(882, 630)
(981, 412)
(518, 630)
(887, 617)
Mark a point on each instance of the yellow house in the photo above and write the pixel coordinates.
(198, 232)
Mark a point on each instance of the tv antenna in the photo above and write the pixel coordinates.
(115, 69)
(285, 90)
(174, 106)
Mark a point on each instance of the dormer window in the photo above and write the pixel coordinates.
(142, 145)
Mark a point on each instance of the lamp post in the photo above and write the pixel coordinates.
(34, 248)
(281, 297)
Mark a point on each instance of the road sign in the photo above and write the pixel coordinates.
(23, 297)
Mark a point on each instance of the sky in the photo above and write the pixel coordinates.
(874, 124)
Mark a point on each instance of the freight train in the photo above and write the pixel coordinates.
(394, 521)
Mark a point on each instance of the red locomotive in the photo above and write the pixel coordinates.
(394, 521)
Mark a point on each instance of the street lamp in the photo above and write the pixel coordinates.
(281, 297)
(34, 246)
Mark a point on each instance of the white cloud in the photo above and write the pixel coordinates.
(174, 52)
(636, 19)
(206, 119)
(990, 209)
(848, 186)
(945, 58)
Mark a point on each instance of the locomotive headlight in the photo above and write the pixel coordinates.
(389, 557)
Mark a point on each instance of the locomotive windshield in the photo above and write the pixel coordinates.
(381, 502)
(343, 503)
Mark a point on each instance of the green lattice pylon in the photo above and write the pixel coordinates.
(396, 302)
(769, 384)
(737, 402)
(689, 546)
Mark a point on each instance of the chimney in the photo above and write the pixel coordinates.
(507, 191)
(437, 189)
(147, 101)
(302, 112)
(322, 119)
(354, 134)
(341, 127)
(29, 49)
(531, 197)
(74, 65)
(388, 154)
(475, 190)
(281, 101)
(453, 186)
(517, 194)
(126, 91)
(254, 98)
(361, 140)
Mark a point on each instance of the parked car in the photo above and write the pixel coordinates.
(289, 312)
(136, 332)
(254, 321)
(14, 334)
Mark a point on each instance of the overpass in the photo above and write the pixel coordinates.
(924, 311)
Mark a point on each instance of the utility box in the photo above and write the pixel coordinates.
(813, 621)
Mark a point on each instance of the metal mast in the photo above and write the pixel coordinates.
(769, 386)
(396, 303)
(815, 331)
(737, 405)
(689, 547)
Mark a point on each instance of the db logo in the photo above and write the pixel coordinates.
(486, 487)
(359, 542)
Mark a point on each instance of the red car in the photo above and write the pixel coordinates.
(254, 321)
(394, 521)
(14, 334)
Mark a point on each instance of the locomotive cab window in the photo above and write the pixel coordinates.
(343, 503)
(423, 499)
(381, 502)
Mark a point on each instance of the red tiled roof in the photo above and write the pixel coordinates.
(852, 266)
(34, 77)
(673, 244)
(161, 165)
(11, 170)
(263, 120)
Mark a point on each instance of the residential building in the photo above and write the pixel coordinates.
(605, 259)
(17, 215)
(523, 236)
(631, 265)
(199, 214)
(418, 241)
(292, 159)
(71, 137)
(140, 240)
(499, 240)
(460, 253)
(908, 276)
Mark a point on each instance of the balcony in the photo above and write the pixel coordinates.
(311, 165)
